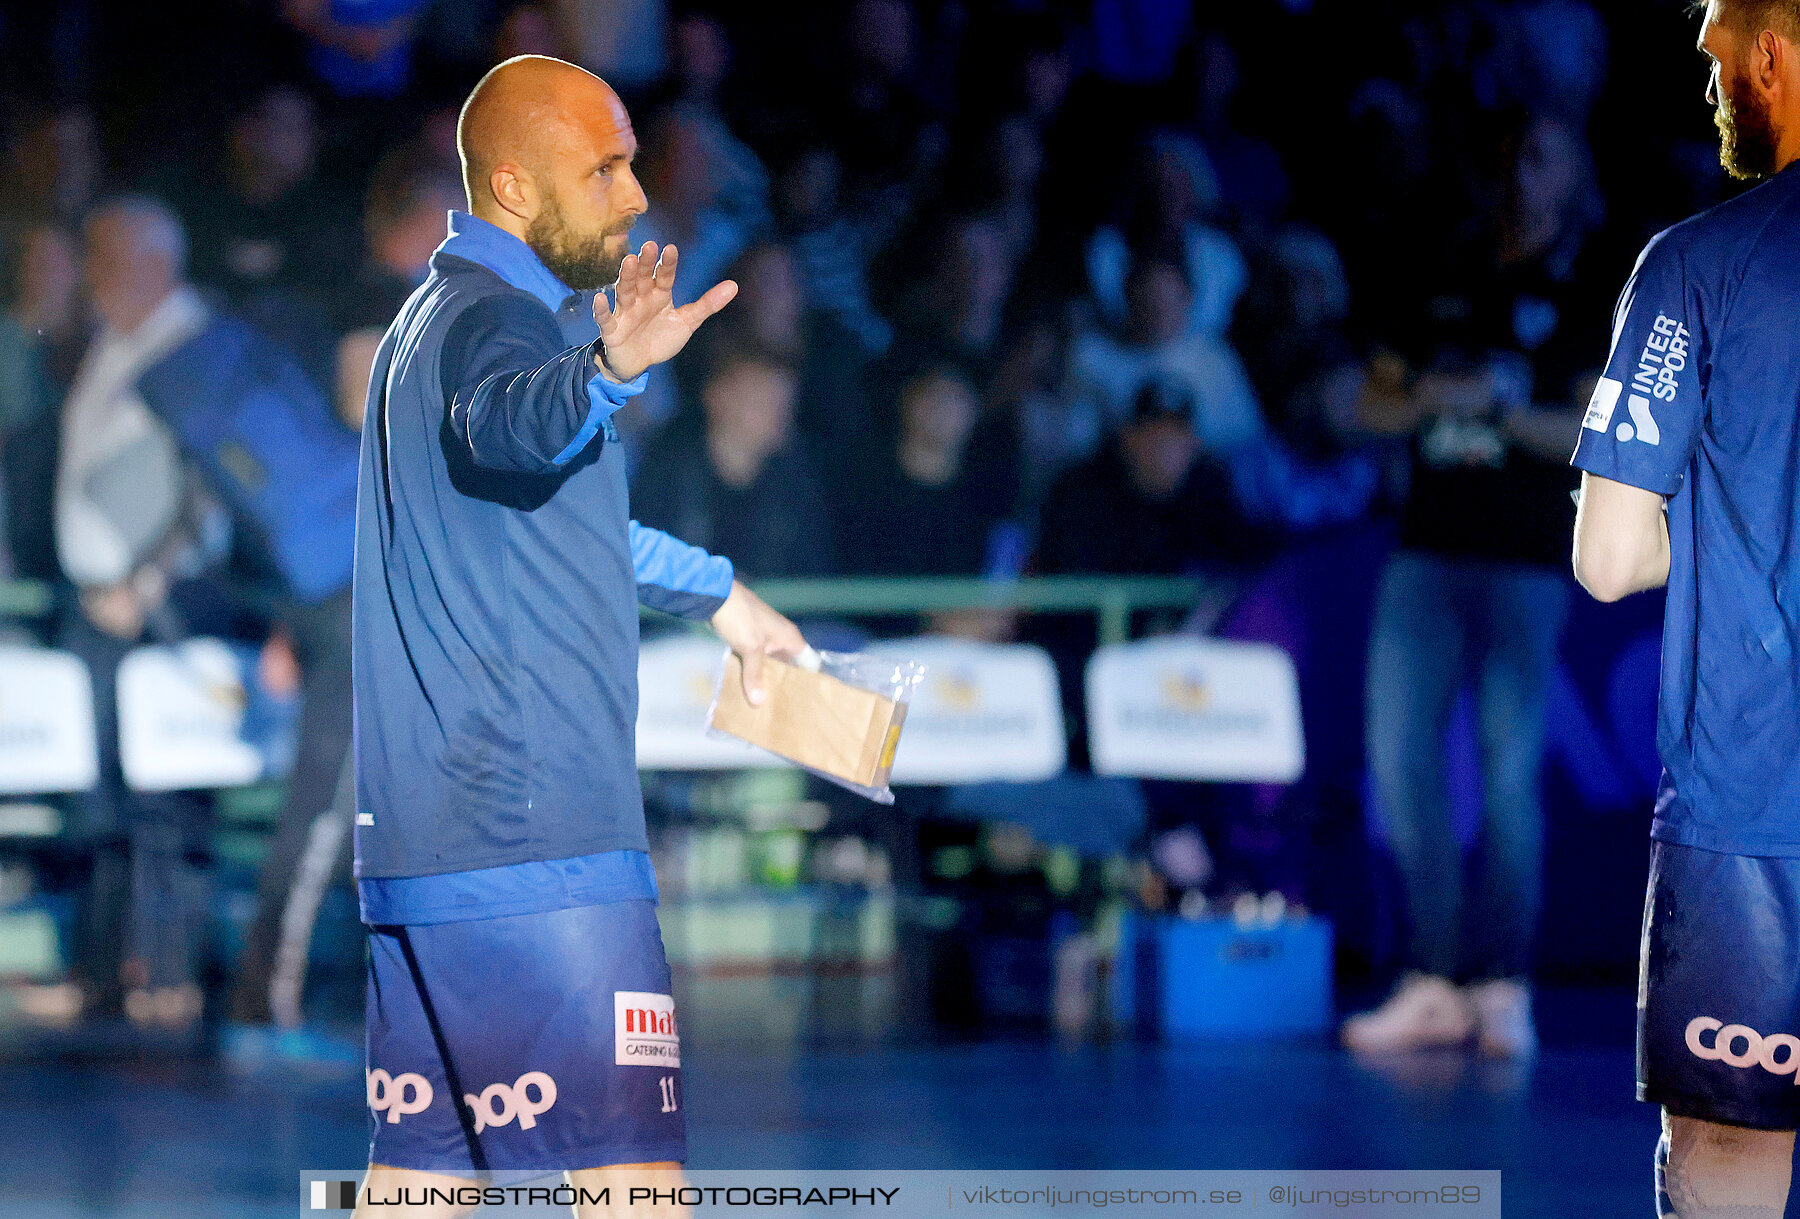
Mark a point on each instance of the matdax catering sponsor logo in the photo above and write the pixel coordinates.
(644, 1033)
(398, 1095)
(1739, 1045)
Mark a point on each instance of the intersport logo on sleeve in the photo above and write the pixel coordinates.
(644, 1033)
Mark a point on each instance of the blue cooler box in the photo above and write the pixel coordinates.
(1213, 978)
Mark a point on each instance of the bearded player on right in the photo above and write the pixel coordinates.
(1691, 459)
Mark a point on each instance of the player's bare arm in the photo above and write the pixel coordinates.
(1621, 539)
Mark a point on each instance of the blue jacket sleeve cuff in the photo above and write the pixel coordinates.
(604, 397)
(608, 396)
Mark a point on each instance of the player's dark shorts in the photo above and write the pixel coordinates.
(536, 1042)
(1718, 1034)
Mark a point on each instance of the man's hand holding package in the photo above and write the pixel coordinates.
(755, 632)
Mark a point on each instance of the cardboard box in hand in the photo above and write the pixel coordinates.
(814, 720)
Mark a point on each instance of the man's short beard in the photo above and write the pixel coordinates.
(583, 263)
(1747, 140)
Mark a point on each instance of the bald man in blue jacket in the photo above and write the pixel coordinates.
(519, 1017)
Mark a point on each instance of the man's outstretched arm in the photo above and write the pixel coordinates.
(518, 400)
(1621, 539)
(685, 580)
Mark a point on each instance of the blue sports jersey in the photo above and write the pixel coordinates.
(1701, 403)
(498, 577)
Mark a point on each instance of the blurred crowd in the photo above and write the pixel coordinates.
(1028, 286)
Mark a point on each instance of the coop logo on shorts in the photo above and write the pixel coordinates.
(499, 1104)
(1738, 1045)
(644, 1033)
(398, 1095)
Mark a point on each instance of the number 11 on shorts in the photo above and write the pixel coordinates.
(667, 1083)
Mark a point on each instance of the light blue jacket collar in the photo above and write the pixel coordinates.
(506, 256)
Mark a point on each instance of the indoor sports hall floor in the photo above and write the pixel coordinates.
(93, 1131)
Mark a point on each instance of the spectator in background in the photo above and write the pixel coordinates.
(48, 304)
(130, 524)
(709, 198)
(359, 48)
(122, 495)
(771, 316)
(1253, 186)
(738, 183)
(1045, 72)
(1051, 423)
(741, 484)
(1151, 502)
(54, 165)
(708, 195)
(833, 252)
(1155, 501)
(1559, 52)
(1158, 343)
(21, 398)
(951, 308)
(621, 41)
(1135, 42)
(525, 29)
(1312, 468)
(277, 241)
(921, 510)
(410, 194)
(702, 61)
(1172, 191)
(43, 331)
(996, 167)
(886, 135)
(1399, 202)
(1479, 590)
(263, 207)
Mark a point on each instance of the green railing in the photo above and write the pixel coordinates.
(1112, 599)
(24, 599)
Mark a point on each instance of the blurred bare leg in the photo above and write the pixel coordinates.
(618, 1180)
(1713, 1171)
(400, 1183)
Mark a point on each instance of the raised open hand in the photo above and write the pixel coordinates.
(641, 326)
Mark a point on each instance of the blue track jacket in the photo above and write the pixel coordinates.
(498, 577)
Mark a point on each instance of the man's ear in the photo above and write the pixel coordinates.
(514, 191)
(1770, 59)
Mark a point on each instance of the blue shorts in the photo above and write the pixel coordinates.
(1718, 1033)
(530, 1043)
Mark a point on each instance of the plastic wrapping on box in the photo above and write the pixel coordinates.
(836, 714)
